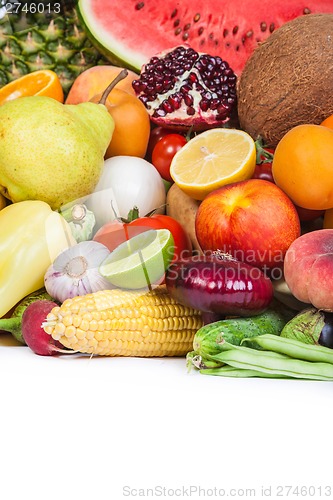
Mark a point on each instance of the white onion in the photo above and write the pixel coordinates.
(76, 271)
(126, 181)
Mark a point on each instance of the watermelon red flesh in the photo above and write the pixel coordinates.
(130, 32)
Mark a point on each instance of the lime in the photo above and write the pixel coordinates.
(140, 261)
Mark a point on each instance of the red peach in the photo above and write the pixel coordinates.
(308, 266)
(253, 220)
(94, 80)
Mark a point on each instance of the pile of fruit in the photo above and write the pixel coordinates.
(175, 209)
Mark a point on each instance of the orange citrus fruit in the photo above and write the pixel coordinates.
(328, 122)
(213, 159)
(42, 82)
(302, 166)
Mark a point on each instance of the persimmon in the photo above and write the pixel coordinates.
(303, 168)
(132, 123)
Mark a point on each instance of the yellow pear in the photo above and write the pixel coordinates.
(51, 151)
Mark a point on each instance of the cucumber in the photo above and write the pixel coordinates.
(214, 338)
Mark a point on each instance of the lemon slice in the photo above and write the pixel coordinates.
(213, 159)
(141, 261)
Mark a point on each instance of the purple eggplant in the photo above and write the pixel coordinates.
(225, 287)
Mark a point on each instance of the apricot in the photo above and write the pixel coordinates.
(132, 124)
(94, 80)
(308, 268)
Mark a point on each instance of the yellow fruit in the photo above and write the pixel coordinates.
(42, 82)
(213, 159)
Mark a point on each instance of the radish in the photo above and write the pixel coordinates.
(33, 333)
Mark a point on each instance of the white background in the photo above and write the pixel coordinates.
(75, 427)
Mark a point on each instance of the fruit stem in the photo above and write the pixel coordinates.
(114, 82)
(262, 155)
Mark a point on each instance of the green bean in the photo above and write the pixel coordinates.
(200, 362)
(275, 363)
(291, 347)
(230, 371)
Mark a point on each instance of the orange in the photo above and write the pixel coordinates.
(42, 82)
(213, 159)
(302, 166)
(328, 122)
(132, 124)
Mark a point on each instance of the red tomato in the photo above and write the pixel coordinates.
(263, 168)
(263, 171)
(155, 135)
(115, 232)
(164, 151)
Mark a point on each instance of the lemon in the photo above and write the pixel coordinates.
(213, 159)
(141, 261)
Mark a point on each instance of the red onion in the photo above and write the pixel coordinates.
(219, 286)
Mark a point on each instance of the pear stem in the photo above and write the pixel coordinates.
(114, 82)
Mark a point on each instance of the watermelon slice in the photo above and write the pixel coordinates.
(130, 32)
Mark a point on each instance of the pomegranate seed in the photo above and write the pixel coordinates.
(214, 103)
(204, 104)
(185, 88)
(174, 101)
(201, 82)
(159, 113)
(167, 106)
(193, 77)
(188, 99)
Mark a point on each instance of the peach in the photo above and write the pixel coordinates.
(308, 266)
(94, 80)
(252, 220)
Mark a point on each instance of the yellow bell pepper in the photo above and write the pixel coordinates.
(31, 237)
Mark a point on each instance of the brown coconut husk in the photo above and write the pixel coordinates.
(288, 80)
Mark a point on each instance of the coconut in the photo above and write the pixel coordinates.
(288, 80)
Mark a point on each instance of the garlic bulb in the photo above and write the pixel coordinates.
(81, 221)
(76, 271)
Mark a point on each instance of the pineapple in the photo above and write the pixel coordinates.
(29, 42)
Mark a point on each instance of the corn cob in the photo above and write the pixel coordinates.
(125, 323)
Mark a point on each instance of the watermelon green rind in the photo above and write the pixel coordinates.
(107, 44)
(129, 32)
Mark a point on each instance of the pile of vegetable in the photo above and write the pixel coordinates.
(148, 219)
(261, 347)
